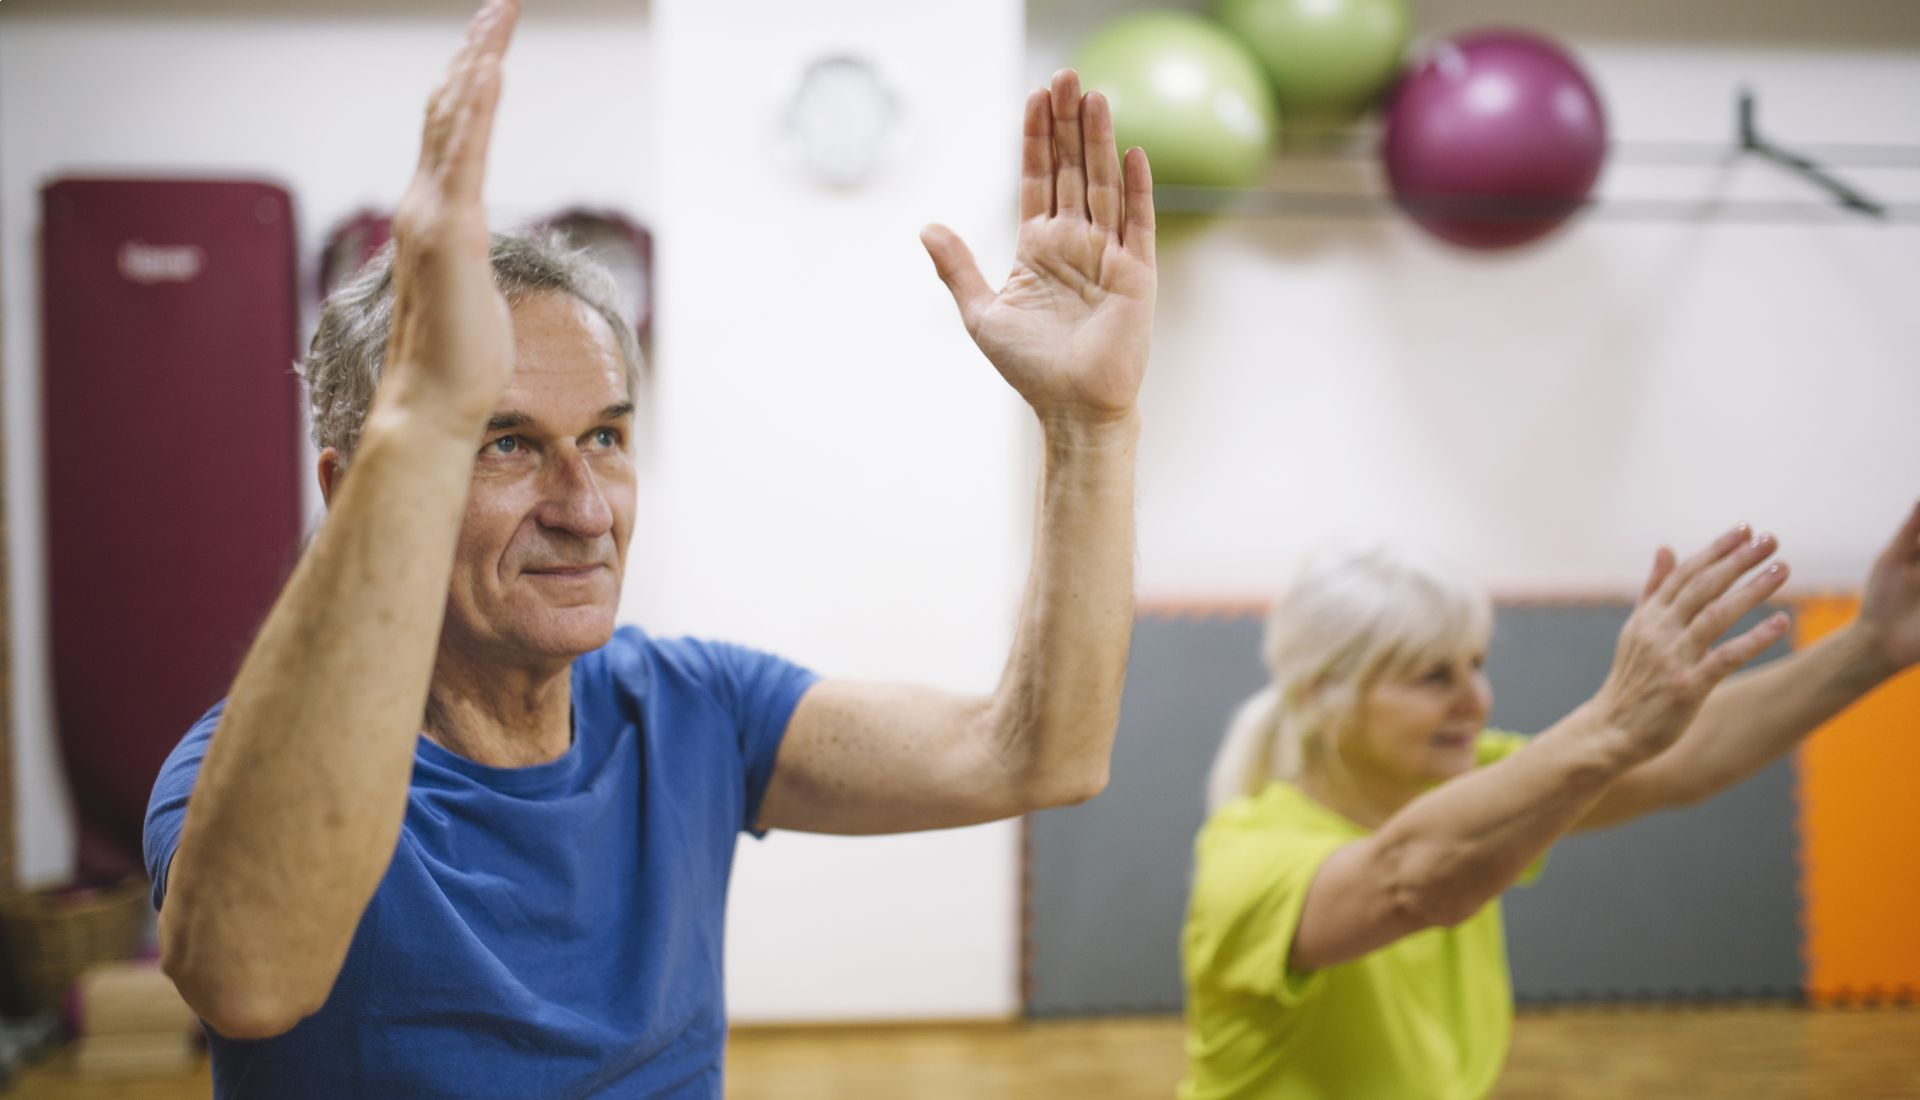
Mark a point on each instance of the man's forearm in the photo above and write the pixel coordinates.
(299, 801)
(1058, 701)
(1755, 718)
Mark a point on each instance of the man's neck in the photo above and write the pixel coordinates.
(500, 715)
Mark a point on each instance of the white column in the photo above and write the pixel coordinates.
(844, 478)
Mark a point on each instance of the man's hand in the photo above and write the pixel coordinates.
(1890, 605)
(1070, 332)
(1071, 327)
(451, 351)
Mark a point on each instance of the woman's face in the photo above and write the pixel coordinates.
(1420, 729)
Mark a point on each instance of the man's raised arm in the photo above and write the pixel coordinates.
(299, 801)
(1070, 331)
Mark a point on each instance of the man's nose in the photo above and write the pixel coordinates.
(574, 501)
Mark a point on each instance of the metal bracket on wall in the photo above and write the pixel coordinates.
(1752, 142)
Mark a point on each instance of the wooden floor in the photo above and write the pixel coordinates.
(1698, 1054)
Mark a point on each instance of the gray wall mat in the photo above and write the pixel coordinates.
(1694, 904)
(1711, 911)
(1107, 880)
(1546, 659)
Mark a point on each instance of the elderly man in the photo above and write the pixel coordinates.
(451, 834)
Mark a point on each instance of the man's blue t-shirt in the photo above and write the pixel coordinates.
(551, 931)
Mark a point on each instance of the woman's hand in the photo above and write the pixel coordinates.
(1666, 662)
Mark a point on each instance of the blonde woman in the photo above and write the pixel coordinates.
(1343, 938)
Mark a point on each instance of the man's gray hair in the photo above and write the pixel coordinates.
(349, 347)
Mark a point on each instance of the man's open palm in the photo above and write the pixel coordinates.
(1071, 327)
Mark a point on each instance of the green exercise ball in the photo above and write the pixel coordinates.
(1186, 92)
(1329, 60)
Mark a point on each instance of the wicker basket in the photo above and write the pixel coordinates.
(53, 935)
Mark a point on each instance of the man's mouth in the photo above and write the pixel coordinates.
(564, 570)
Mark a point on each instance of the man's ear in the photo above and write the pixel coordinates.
(331, 469)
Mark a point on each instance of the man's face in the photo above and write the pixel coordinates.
(544, 543)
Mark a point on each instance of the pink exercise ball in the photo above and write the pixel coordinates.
(1493, 139)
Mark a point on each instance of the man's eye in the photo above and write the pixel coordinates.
(607, 437)
(505, 445)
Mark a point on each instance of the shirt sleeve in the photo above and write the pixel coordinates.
(1250, 888)
(1493, 746)
(759, 692)
(167, 807)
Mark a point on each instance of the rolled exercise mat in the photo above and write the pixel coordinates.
(172, 450)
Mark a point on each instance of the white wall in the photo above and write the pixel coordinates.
(846, 479)
(1549, 417)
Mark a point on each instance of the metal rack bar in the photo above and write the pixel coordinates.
(1814, 163)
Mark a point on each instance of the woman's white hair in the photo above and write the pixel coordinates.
(1348, 621)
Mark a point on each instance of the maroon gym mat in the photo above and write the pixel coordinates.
(172, 468)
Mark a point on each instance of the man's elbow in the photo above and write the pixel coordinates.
(1068, 786)
(237, 1012)
(250, 1019)
(233, 1006)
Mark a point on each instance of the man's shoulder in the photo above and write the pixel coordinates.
(632, 647)
(631, 650)
(192, 745)
(636, 663)
(636, 671)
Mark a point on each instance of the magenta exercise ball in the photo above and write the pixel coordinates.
(1493, 139)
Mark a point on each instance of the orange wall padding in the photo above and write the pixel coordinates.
(1860, 836)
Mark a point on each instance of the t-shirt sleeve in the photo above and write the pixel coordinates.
(1250, 888)
(760, 692)
(1492, 747)
(167, 807)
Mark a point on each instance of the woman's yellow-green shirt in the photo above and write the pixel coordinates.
(1427, 1017)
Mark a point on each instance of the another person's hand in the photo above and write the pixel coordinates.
(1666, 662)
(451, 351)
(1890, 605)
(1071, 327)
